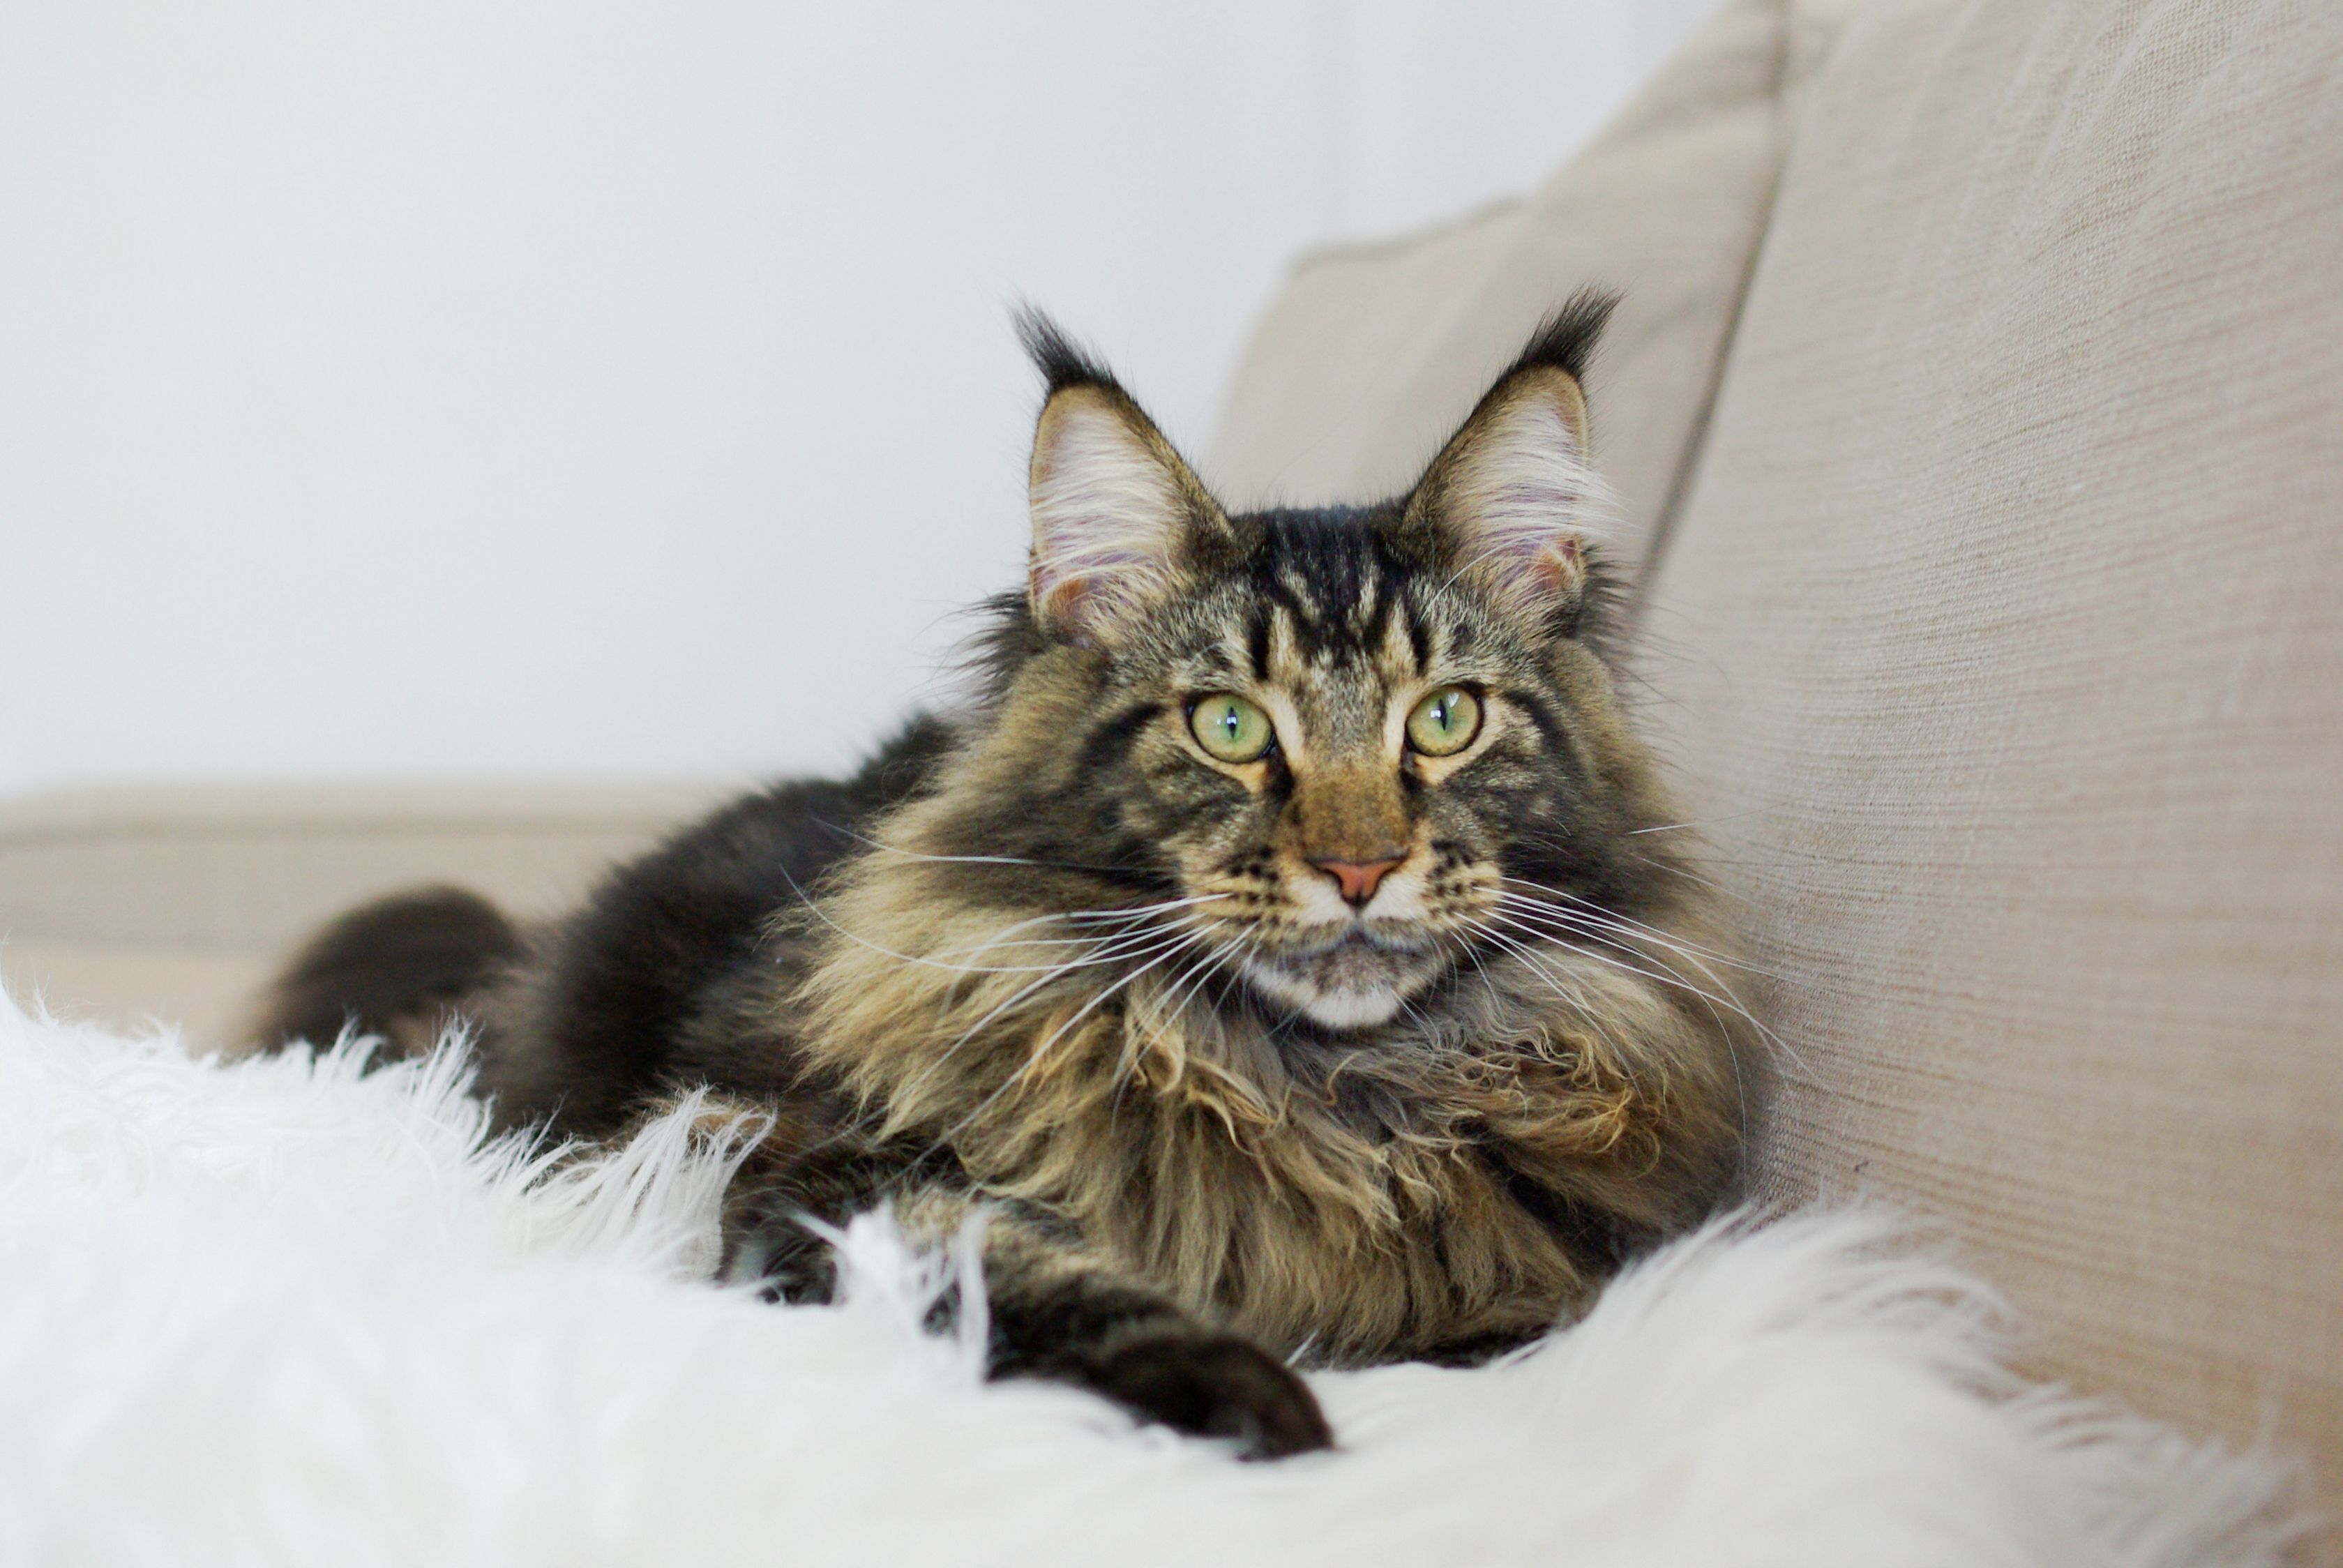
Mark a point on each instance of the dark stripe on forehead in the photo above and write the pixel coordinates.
(1338, 581)
(1378, 626)
(1419, 636)
(1462, 634)
(1257, 642)
(1300, 618)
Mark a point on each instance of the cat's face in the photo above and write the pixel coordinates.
(1323, 745)
(1340, 756)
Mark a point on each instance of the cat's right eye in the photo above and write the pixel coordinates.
(1231, 728)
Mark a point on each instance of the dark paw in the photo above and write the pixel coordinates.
(1214, 1385)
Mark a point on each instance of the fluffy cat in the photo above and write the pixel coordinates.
(1276, 949)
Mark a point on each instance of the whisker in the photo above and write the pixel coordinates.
(1665, 974)
(1172, 942)
(1562, 988)
(1164, 1010)
(1134, 914)
(1704, 823)
(1084, 1011)
(1123, 917)
(1174, 997)
(846, 832)
(1689, 875)
(1487, 984)
(1668, 975)
(1630, 943)
(1740, 1089)
(1225, 954)
(1631, 936)
(1596, 911)
(925, 961)
(1039, 1052)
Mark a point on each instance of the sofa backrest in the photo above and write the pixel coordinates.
(1997, 641)
(2002, 634)
(1372, 355)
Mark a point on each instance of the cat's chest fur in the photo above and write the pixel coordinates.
(1355, 1201)
(1328, 1221)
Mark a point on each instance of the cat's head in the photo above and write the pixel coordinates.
(1342, 750)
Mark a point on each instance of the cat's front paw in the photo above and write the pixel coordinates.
(1214, 1385)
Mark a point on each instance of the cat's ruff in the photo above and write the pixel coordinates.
(277, 1311)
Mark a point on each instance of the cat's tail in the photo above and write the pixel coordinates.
(400, 968)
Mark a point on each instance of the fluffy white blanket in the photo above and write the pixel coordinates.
(278, 1312)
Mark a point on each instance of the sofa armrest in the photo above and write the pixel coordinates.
(124, 904)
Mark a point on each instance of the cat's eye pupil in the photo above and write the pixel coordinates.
(1445, 722)
(1230, 728)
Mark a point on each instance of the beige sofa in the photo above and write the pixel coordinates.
(1977, 412)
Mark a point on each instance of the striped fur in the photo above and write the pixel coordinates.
(1050, 962)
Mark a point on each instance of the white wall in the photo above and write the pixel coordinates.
(579, 387)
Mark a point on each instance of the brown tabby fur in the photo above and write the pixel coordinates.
(1052, 960)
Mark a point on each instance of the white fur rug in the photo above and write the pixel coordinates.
(277, 1311)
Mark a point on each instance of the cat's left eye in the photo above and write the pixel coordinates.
(1445, 722)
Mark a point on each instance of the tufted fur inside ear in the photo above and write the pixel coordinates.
(1114, 508)
(1512, 497)
(1108, 517)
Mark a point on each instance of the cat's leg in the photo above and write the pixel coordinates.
(1054, 1311)
(1057, 1314)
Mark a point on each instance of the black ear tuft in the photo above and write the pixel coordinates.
(1511, 496)
(1566, 339)
(1061, 362)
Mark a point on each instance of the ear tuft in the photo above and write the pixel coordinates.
(1511, 498)
(1061, 362)
(1115, 510)
(1566, 339)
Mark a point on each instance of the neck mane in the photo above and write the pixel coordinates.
(1085, 1054)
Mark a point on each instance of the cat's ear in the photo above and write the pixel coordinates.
(1510, 503)
(1116, 516)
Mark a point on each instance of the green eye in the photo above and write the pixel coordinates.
(1230, 728)
(1445, 723)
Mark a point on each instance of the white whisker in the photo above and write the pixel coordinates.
(1162, 941)
(1041, 1050)
(1666, 975)
(1629, 935)
(1562, 988)
(1592, 910)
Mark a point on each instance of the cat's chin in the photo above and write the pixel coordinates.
(1348, 1009)
(1352, 983)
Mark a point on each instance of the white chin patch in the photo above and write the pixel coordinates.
(1351, 1008)
(1337, 1001)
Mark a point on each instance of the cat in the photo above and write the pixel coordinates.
(1276, 950)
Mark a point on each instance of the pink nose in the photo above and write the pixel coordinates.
(1358, 878)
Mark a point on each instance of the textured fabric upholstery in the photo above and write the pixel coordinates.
(2000, 646)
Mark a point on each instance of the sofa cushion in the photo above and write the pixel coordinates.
(1372, 355)
(2001, 642)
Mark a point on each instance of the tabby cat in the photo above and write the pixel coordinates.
(1279, 947)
